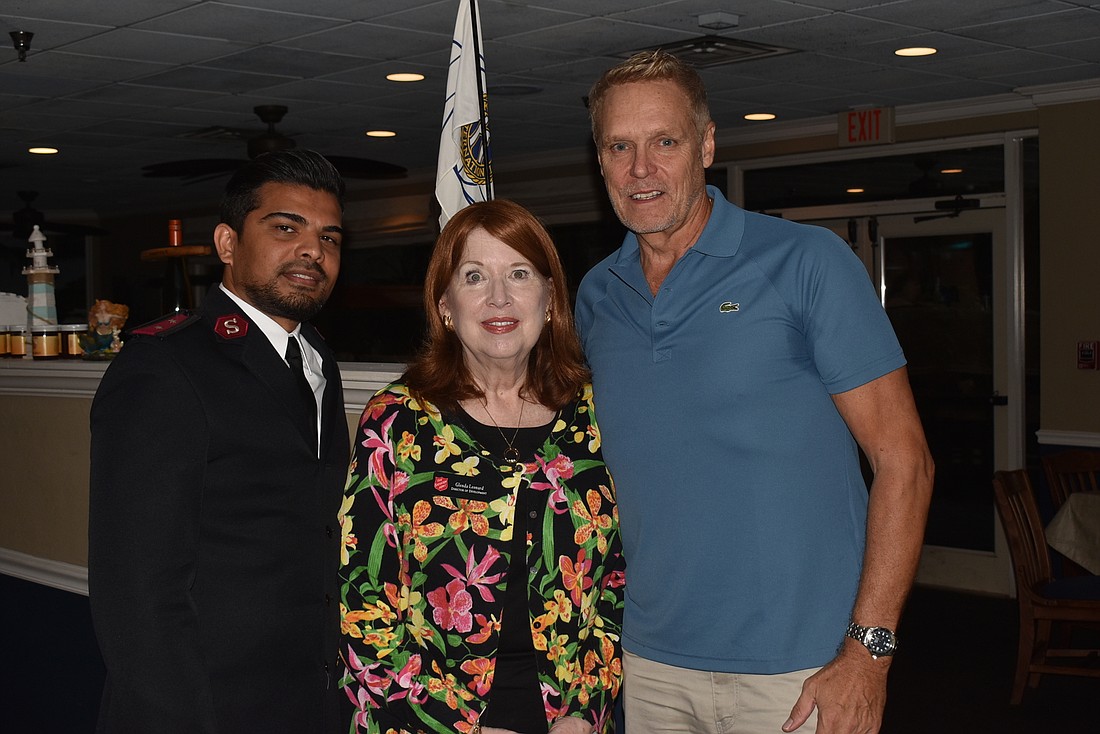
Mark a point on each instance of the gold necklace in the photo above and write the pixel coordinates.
(511, 454)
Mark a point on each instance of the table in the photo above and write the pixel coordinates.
(1075, 530)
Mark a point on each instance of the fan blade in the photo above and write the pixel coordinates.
(23, 222)
(20, 231)
(365, 168)
(83, 230)
(203, 168)
(959, 203)
(194, 168)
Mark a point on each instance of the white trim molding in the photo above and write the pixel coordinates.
(362, 380)
(50, 378)
(57, 378)
(1062, 93)
(1084, 439)
(59, 575)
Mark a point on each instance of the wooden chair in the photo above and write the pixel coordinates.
(1071, 471)
(1042, 600)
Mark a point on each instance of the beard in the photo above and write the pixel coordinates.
(638, 226)
(294, 306)
(666, 221)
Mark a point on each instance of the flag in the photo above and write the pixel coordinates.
(464, 174)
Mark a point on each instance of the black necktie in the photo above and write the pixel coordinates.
(294, 359)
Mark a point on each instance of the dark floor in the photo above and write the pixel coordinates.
(51, 674)
(953, 672)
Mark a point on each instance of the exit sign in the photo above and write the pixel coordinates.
(869, 126)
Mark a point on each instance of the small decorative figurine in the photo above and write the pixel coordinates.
(105, 322)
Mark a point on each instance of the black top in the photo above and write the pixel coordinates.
(516, 698)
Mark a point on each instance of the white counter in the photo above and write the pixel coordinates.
(79, 378)
(44, 460)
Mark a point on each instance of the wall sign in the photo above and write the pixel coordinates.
(867, 126)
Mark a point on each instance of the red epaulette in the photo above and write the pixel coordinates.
(166, 324)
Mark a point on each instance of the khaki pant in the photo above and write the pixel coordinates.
(661, 698)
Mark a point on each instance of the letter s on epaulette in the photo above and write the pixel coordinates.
(165, 325)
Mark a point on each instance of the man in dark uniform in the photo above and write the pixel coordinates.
(217, 469)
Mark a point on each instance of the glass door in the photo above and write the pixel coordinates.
(943, 278)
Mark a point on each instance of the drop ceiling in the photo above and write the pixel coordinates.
(127, 83)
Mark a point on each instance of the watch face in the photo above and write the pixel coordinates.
(880, 641)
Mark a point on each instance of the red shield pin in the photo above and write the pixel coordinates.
(231, 327)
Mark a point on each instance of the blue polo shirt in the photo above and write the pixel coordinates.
(742, 506)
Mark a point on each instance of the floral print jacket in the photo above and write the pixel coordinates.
(427, 519)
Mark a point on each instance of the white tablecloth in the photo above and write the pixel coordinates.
(1075, 530)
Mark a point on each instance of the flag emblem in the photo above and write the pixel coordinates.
(474, 148)
(464, 172)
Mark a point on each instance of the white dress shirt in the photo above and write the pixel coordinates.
(278, 336)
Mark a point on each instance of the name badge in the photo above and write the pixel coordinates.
(454, 485)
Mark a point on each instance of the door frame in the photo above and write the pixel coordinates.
(982, 571)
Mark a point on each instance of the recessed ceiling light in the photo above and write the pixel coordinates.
(952, 170)
(915, 51)
(755, 116)
(42, 150)
(405, 77)
(381, 134)
(853, 191)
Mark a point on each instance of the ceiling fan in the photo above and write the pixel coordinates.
(925, 185)
(23, 221)
(272, 140)
(954, 207)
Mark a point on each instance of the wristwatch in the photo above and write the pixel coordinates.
(880, 641)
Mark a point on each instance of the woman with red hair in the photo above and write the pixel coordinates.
(482, 576)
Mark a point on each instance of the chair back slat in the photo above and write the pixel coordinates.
(1027, 544)
(1071, 471)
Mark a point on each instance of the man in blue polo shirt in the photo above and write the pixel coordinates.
(738, 360)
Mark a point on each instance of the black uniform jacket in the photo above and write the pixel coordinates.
(213, 536)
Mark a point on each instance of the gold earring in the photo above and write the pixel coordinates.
(548, 315)
(448, 323)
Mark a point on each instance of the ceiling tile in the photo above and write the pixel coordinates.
(47, 34)
(168, 48)
(292, 62)
(114, 13)
(373, 42)
(1086, 50)
(235, 23)
(14, 82)
(949, 15)
(1067, 25)
(78, 66)
(199, 78)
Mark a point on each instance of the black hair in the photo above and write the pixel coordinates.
(295, 167)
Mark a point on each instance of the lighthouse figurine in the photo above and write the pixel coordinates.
(41, 305)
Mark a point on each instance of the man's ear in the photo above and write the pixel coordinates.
(225, 242)
(599, 158)
(708, 145)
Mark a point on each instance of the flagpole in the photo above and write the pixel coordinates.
(484, 121)
(464, 167)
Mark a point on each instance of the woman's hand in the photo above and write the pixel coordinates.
(571, 725)
(564, 725)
